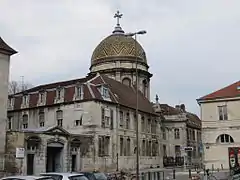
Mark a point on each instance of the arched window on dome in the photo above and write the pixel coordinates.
(144, 90)
(224, 138)
(126, 81)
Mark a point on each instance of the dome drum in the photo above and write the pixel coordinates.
(126, 59)
(125, 70)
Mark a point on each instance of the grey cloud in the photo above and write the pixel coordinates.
(192, 46)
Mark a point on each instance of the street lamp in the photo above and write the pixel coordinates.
(137, 133)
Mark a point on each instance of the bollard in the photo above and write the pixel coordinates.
(174, 174)
(222, 166)
(189, 173)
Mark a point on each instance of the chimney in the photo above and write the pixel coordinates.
(182, 106)
(177, 107)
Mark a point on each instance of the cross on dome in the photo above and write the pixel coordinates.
(118, 28)
(118, 16)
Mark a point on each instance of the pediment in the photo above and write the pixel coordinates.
(57, 130)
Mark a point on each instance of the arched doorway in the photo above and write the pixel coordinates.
(54, 162)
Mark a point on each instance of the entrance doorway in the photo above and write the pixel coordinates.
(74, 162)
(54, 157)
(30, 164)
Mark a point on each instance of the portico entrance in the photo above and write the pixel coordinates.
(54, 157)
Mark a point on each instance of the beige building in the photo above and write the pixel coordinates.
(88, 123)
(180, 129)
(5, 53)
(220, 125)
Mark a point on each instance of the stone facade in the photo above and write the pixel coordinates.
(181, 129)
(5, 53)
(111, 123)
(220, 130)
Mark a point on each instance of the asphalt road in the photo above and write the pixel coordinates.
(180, 175)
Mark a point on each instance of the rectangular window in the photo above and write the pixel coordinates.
(59, 115)
(176, 134)
(10, 118)
(149, 126)
(25, 99)
(177, 151)
(111, 119)
(127, 121)
(128, 147)
(58, 94)
(25, 121)
(78, 122)
(41, 97)
(103, 145)
(79, 91)
(222, 112)
(121, 146)
(143, 123)
(105, 92)
(164, 150)
(121, 119)
(164, 134)
(143, 147)
(41, 117)
(135, 121)
(103, 118)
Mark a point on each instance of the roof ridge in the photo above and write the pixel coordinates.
(213, 94)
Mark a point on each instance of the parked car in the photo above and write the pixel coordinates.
(65, 176)
(27, 178)
(95, 175)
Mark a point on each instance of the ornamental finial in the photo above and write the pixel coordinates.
(118, 28)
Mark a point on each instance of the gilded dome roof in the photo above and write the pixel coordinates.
(118, 46)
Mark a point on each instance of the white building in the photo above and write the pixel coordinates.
(88, 123)
(5, 53)
(220, 126)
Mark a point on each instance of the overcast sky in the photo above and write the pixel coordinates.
(192, 46)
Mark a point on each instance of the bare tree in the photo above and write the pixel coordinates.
(15, 87)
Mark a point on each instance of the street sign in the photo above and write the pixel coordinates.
(20, 153)
(188, 148)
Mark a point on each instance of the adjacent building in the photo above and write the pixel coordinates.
(5, 53)
(220, 126)
(181, 130)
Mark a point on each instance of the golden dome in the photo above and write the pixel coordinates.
(118, 46)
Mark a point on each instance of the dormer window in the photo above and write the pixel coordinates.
(58, 93)
(41, 96)
(105, 92)
(10, 102)
(79, 92)
(24, 99)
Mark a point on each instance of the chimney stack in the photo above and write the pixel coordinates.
(182, 106)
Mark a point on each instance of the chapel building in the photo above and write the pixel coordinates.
(88, 123)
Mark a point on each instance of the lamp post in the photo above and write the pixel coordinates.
(137, 84)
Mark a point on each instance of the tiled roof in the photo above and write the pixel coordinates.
(119, 93)
(230, 91)
(4, 48)
(169, 110)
